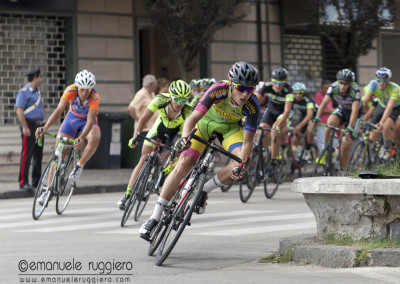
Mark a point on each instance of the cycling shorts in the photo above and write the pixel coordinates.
(72, 123)
(229, 134)
(344, 115)
(166, 135)
(270, 116)
(378, 113)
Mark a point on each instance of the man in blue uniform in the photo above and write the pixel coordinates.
(29, 105)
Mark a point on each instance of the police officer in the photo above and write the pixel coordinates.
(29, 105)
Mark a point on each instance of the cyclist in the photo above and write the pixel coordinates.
(219, 111)
(195, 87)
(83, 103)
(206, 83)
(173, 108)
(346, 92)
(305, 107)
(262, 99)
(387, 110)
(280, 101)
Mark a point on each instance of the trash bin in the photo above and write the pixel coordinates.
(129, 157)
(108, 153)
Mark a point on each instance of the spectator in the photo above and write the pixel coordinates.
(30, 112)
(141, 100)
(162, 85)
(318, 97)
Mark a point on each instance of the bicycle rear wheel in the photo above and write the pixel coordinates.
(67, 187)
(180, 219)
(146, 188)
(45, 187)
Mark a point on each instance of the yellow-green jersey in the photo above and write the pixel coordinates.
(392, 91)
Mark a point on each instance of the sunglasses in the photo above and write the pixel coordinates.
(298, 92)
(179, 100)
(381, 80)
(84, 90)
(242, 88)
(278, 82)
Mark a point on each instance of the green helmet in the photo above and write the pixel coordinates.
(180, 89)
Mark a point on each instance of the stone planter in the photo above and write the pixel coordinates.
(353, 207)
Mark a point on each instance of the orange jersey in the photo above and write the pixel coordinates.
(71, 95)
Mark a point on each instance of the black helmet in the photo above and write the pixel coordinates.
(346, 75)
(279, 74)
(243, 73)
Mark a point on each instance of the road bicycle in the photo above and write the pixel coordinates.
(179, 210)
(54, 179)
(303, 161)
(149, 179)
(325, 165)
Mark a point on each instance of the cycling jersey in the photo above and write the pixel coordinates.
(390, 92)
(303, 105)
(345, 101)
(163, 125)
(91, 103)
(76, 117)
(276, 100)
(222, 118)
(196, 100)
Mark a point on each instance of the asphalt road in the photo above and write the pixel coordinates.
(87, 245)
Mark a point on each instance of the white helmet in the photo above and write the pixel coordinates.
(85, 80)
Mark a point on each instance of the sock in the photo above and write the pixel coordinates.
(212, 184)
(79, 164)
(158, 209)
(128, 190)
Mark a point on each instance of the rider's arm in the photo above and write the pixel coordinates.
(369, 113)
(286, 113)
(142, 121)
(56, 114)
(247, 144)
(388, 110)
(307, 118)
(354, 113)
(89, 123)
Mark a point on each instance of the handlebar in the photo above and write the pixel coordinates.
(332, 127)
(39, 141)
(158, 143)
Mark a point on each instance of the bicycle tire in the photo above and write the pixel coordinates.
(162, 226)
(147, 186)
(276, 180)
(245, 191)
(66, 187)
(43, 183)
(320, 169)
(358, 159)
(306, 164)
(177, 223)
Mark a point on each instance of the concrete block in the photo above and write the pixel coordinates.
(327, 256)
(394, 231)
(285, 243)
(384, 257)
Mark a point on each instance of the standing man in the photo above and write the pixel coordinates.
(141, 100)
(29, 105)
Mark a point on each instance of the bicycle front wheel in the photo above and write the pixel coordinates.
(180, 219)
(247, 185)
(150, 177)
(67, 187)
(44, 190)
(226, 187)
(358, 157)
(321, 163)
(274, 180)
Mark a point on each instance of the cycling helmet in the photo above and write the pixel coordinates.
(279, 74)
(85, 80)
(346, 75)
(243, 73)
(180, 89)
(206, 82)
(195, 83)
(383, 73)
(299, 87)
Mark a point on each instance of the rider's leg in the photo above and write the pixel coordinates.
(345, 150)
(388, 134)
(265, 140)
(93, 140)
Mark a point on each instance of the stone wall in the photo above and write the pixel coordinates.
(28, 42)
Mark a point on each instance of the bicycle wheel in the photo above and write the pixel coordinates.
(275, 180)
(226, 187)
(320, 168)
(306, 161)
(67, 187)
(358, 157)
(45, 187)
(162, 226)
(180, 218)
(251, 179)
(149, 181)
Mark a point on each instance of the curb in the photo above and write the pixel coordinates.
(305, 250)
(85, 189)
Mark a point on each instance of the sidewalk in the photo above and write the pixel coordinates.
(91, 181)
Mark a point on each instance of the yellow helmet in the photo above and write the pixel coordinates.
(180, 89)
